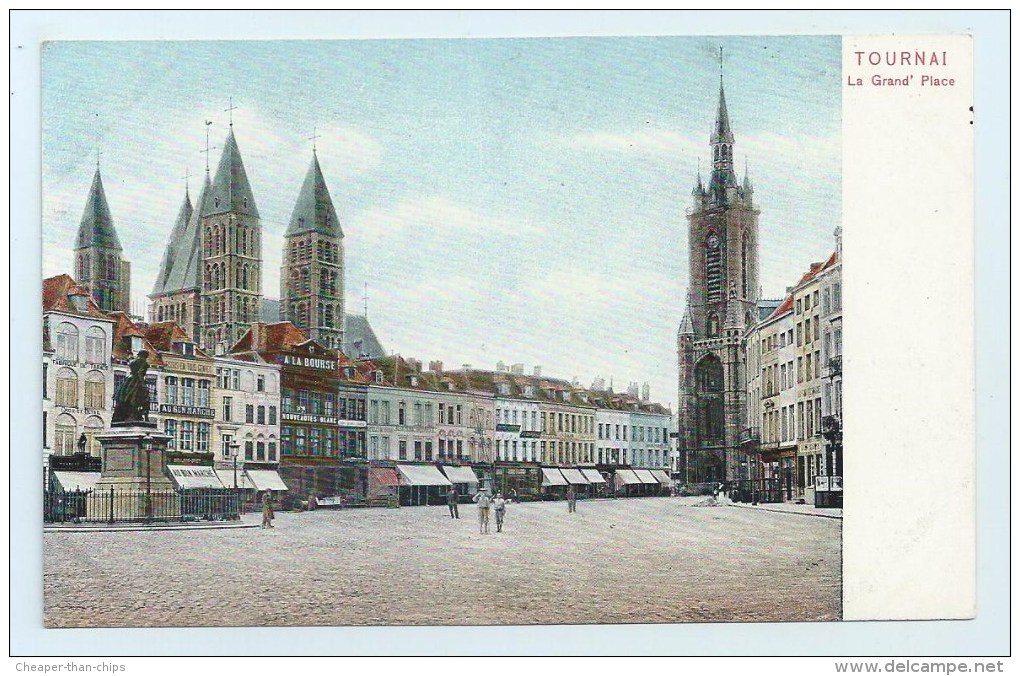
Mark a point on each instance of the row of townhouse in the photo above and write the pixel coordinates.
(283, 403)
(795, 388)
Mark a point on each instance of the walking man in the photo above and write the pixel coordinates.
(571, 499)
(483, 500)
(451, 502)
(499, 506)
(267, 510)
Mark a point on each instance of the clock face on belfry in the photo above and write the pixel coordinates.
(713, 241)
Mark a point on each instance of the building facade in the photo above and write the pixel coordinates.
(77, 371)
(247, 399)
(722, 301)
(830, 280)
(312, 277)
(98, 256)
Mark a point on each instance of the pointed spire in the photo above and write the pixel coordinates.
(686, 327)
(231, 192)
(314, 211)
(96, 228)
(185, 269)
(747, 180)
(173, 245)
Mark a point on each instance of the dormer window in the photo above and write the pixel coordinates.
(449, 385)
(136, 344)
(378, 376)
(245, 202)
(565, 394)
(187, 349)
(349, 372)
(413, 379)
(216, 202)
(503, 388)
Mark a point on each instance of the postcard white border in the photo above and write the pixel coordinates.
(986, 635)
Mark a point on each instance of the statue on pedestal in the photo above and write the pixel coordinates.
(131, 400)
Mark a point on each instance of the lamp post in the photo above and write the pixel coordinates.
(147, 447)
(234, 449)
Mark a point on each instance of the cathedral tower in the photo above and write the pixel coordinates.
(175, 296)
(98, 255)
(312, 275)
(721, 303)
(231, 252)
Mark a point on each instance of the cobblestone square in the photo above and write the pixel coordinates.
(649, 560)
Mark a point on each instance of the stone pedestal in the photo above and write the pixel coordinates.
(133, 482)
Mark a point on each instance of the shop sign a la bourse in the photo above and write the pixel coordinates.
(307, 362)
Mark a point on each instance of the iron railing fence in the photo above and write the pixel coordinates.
(115, 506)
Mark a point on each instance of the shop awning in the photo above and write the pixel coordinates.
(421, 475)
(574, 476)
(662, 477)
(194, 476)
(77, 481)
(226, 477)
(593, 475)
(646, 477)
(626, 476)
(552, 477)
(460, 475)
(266, 480)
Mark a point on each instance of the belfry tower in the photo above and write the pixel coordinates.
(98, 254)
(312, 276)
(721, 303)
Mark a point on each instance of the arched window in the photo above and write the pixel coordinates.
(63, 438)
(324, 281)
(306, 280)
(95, 345)
(83, 268)
(208, 241)
(67, 342)
(160, 313)
(93, 427)
(712, 326)
(67, 388)
(329, 316)
(319, 315)
(208, 277)
(709, 374)
(95, 390)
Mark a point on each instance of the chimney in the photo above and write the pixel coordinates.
(646, 392)
(500, 366)
(436, 366)
(466, 367)
(517, 369)
(256, 338)
(538, 372)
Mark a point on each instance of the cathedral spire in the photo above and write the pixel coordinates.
(174, 245)
(96, 228)
(314, 211)
(231, 192)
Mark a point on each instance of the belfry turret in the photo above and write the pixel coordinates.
(98, 254)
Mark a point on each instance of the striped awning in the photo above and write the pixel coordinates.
(421, 475)
(593, 475)
(662, 477)
(627, 477)
(460, 475)
(646, 477)
(552, 477)
(574, 476)
(77, 481)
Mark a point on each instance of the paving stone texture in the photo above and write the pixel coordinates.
(652, 560)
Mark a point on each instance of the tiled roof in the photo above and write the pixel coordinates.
(123, 330)
(56, 297)
(163, 335)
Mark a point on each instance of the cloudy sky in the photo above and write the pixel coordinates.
(519, 200)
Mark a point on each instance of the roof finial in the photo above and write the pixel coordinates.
(187, 175)
(720, 66)
(230, 111)
(207, 147)
(99, 141)
(366, 300)
(313, 139)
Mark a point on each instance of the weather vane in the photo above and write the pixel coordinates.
(313, 138)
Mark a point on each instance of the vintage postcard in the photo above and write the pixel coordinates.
(518, 331)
